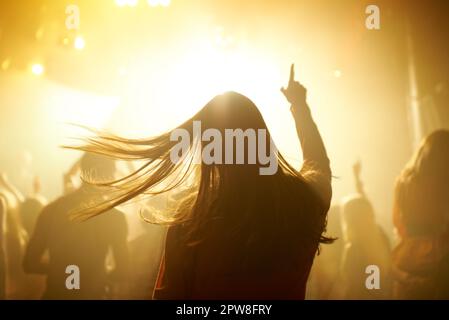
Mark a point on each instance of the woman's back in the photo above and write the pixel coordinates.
(253, 224)
(268, 258)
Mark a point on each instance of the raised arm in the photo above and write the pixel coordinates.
(356, 169)
(316, 167)
(4, 181)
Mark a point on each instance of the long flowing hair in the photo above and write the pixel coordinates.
(237, 193)
(422, 189)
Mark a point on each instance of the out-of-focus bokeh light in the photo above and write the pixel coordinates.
(155, 3)
(122, 71)
(130, 3)
(121, 3)
(39, 33)
(337, 73)
(79, 43)
(223, 40)
(164, 3)
(37, 69)
(5, 64)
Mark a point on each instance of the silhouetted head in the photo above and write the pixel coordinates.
(357, 217)
(422, 189)
(233, 123)
(232, 188)
(432, 158)
(96, 167)
(231, 110)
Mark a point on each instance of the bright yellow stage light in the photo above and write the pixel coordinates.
(337, 73)
(164, 3)
(5, 64)
(79, 43)
(37, 69)
(153, 3)
(130, 3)
(121, 3)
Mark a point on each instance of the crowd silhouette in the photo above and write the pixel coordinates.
(224, 231)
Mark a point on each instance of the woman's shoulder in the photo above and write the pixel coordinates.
(310, 186)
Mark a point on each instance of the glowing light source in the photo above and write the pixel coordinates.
(122, 71)
(221, 39)
(39, 33)
(164, 3)
(155, 3)
(337, 73)
(85, 109)
(130, 3)
(79, 43)
(121, 3)
(37, 69)
(5, 64)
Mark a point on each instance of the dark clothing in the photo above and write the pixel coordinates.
(420, 217)
(83, 244)
(271, 255)
(145, 255)
(2, 251)
(420, 267)
(442, 292)
(214, 270)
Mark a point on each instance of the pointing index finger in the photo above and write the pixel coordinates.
(292, 73)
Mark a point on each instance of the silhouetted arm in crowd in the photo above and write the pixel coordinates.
(4, 182)
(2, 251)
(316, 166)
(357, 168)
(38, 244)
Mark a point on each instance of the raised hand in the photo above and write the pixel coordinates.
(295, 93)
(313, 149)
(357, 168)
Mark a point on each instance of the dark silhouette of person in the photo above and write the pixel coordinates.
(31, 207)
(324, 279)
(421, 215)
(145, 256)
(365, 244)
(29, 210)
(84, 244)
(14, 238)
(2, 250)
(238, 234)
